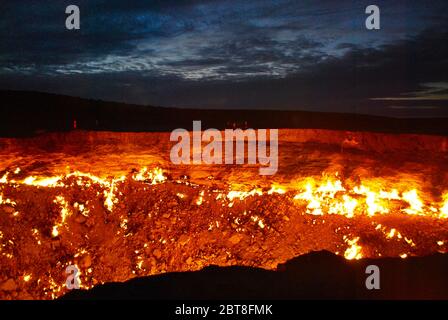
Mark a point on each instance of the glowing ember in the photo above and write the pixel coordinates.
(444, 209)
(326, 197)
(331, 196)
(354, 250)
(115, 222)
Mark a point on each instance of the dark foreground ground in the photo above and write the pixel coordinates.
(319, 275)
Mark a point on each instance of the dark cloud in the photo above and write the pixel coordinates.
(283, 54)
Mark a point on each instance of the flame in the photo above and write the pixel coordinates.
(44, 182)
(6, 200)
(110, 198)
(372, 200)
(4, 178)
(65, 212)
(152, 176)
(444, 209)
(414, 201)
(241, 195)
(276, 189)
(332, 197)
(353, 252)
(327, 196)
(200, 199)
(240, 220)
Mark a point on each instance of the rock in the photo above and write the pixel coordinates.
(172, 204)
(25, 296)
(236, 238)
(80, 218)
(157, 253)
(90, 222)
(55, 244)
(183, 239)
(8, 285)
(86, 261)
(8, 209)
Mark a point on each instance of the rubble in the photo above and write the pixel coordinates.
(116, 220)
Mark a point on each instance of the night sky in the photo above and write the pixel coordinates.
(291, 55)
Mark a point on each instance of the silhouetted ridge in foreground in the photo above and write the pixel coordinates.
(319, 275)
(24, 113)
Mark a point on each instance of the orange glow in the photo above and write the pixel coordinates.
(239, 215)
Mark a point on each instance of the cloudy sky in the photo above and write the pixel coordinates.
(294, 55)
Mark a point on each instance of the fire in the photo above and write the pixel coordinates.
(332, 197)
(4, 178)
(65, 212)
(110, 198)
(372, 200)
(152, 176)
(200, 199)
(43, 182)
(414, 201)
(353, 252)
(327, 196)
(141, 217)
(241, 195)
(6, 201)
(444, 209)
(277, 189)
(55, 231)
(314, 201)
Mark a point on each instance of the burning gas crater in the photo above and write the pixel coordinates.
(146, 222)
